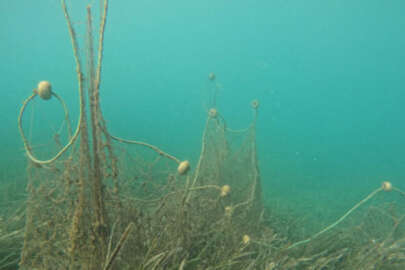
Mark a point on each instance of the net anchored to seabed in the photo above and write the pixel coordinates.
(167, 216)
(104, 202)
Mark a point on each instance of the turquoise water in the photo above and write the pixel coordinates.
(329, 75)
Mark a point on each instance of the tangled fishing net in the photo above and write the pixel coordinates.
(105, 202)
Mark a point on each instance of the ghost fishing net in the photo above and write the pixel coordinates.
(228, 162)
(198, 218)
(67, 215)
(370, 235)
(104, 202)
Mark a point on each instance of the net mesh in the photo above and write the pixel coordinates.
(174, 217)
(109, 203)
